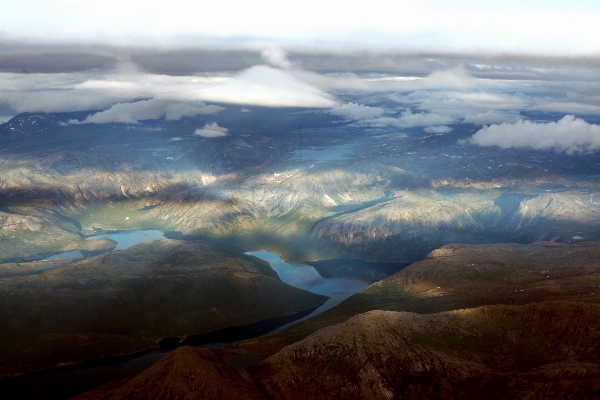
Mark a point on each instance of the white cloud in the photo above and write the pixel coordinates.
(438, 129)
(456, 78)
(211, 131)
(569, 134)
(259, 85)
(406, 120)
(567, 107)
(55, 100)
(354, 111)
(491, 117)
(265, 86)
(276, 57)
(438, 100)
(373, 117)
(132, 113)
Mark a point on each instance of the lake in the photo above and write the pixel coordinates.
(124, 239)
(306, 277)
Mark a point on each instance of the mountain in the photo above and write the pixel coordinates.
(537, 351)
(133, 300)
(289, 182)
(187, 373)
(476, 322)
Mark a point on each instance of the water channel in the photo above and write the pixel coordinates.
(67, 382)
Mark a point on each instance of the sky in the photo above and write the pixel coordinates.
(437, 62)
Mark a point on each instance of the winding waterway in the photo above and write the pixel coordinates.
(64, 383)
(306, 277)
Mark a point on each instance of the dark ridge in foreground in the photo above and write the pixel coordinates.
(499, 321)
(536, 351)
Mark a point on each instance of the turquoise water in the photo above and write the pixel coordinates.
(60, 382)
(306, 277)
(67, 255)
(126, 239)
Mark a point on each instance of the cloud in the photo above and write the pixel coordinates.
(569, 134)
(98, 90)
(453, 100)
(132, 113)
(354, 111)
(457, 78)
(567, 107)
(438, 129)
(408, 120)
(276, 57)
(264, 86)
(373, 117)
(491, 117)
(211, 131)
(527, 26)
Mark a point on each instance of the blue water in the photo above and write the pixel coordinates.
(66, 255)
(126, 239)
(306, 277)
(299, 275)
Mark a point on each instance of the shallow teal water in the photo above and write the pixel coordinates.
(126, 239)
(306, 277)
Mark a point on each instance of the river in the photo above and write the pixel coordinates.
(67, 382)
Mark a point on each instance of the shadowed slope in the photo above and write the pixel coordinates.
(187, 373)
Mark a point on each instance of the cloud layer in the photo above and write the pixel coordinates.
(366, 116)
(432, 26)
(569, 134)
(132, 113)
(354, 111)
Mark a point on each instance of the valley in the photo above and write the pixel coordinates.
(464, 228)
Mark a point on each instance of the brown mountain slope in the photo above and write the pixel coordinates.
(465, 276)
(538, 351)
(125, 301)
(187, 373)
